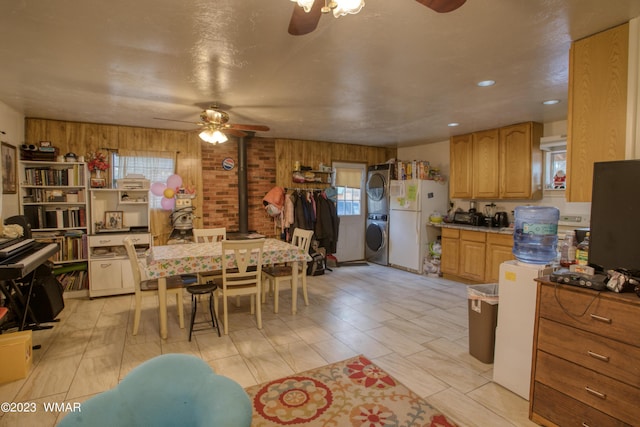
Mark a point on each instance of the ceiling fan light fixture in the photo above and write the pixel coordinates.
(345, 7)
(213, 136)
(305, 4)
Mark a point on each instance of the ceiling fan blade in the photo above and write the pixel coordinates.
(246, 127)
(234, 132)
(179, 121)
(302, 22)
(442, 6)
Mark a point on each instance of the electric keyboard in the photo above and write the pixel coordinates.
(24, 262)
(14, 246)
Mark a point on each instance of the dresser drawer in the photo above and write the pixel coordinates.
(590, 311)
(565, 411)
(118, 239)
(609, 357)
(605, 394)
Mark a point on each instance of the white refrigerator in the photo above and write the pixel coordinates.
(516, 318)
(411, 204)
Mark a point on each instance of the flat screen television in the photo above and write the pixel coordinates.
(614, 240)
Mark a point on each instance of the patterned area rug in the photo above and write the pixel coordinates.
(354, 392)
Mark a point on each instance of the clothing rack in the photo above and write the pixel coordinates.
(286, 189)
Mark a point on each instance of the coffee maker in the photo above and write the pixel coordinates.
(501, 219)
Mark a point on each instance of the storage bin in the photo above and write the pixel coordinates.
(16, 355)
(483, 319)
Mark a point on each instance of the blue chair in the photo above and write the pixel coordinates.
(168, 390)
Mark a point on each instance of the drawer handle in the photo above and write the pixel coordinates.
(102, 242)
(105, 265)
(595, 393)
(598, 356)
(600, 318)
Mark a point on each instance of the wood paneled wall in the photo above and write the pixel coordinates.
(199, 165)
(312, 153)
(83, 138)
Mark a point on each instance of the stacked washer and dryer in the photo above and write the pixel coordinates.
(377, 234)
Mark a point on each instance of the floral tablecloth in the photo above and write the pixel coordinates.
(191, 258)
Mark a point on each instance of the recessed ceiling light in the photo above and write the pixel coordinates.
(486, 83)
(453, 124)
(551, 102)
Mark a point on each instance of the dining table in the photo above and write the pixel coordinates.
(191, 258)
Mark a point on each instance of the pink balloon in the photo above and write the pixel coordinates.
(167, 204)
(157, 188)
(174, 181)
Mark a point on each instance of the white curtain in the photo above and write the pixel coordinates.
(154, 165)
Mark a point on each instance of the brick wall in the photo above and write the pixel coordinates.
(220, 187)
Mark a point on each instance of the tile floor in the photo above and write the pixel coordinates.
(413, 326)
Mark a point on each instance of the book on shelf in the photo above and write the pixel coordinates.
(73, 280)
(72, 244)
(56, 217)
(55, 176)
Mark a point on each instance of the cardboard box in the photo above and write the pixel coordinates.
(16, 355)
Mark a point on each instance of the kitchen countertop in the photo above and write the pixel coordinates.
(497, 230)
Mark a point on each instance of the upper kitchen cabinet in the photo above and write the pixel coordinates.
(461, 167)
(521, 161)
(597, 107)
(486, 148)
(504, 163)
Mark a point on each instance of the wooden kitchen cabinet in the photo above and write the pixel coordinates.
(499, 249)
(471, 264)
(450, 243)
(586, 357)
(461, 166)
(597, 110)
(504, 163)
(486, 150)
(474, 256)
(520, 161)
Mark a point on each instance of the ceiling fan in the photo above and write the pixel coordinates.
(305, 19)
(214, 125)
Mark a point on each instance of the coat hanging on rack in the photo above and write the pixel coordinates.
(327, 225)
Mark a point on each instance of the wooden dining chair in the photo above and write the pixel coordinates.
(145, 288)
(239, 277)
(209, 235)
(273, 275)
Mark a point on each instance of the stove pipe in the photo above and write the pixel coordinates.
(243, 198)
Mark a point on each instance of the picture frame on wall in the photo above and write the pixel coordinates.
(9, 168)
(113, 220)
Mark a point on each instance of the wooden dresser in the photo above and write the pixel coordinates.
(586, 357)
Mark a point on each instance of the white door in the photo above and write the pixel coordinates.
(349, 180)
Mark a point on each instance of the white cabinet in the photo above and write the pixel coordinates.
(132, 204)
(109, 267)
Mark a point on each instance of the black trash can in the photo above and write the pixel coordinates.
(483, 319)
